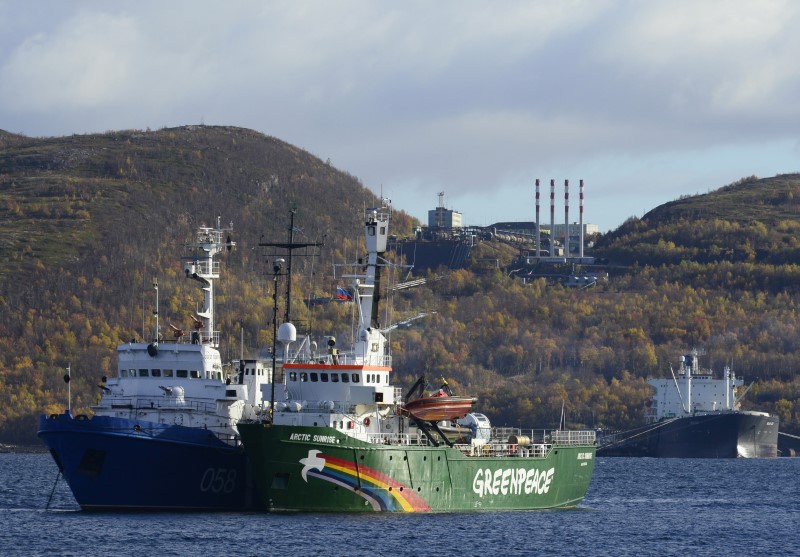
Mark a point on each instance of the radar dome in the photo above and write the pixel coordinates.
(287, 333)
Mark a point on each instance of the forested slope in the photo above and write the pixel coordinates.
(716, 271)
(87, 222)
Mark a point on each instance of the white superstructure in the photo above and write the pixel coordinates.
(693, 391)
(181, 381)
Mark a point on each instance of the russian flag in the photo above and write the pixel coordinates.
(343, 294)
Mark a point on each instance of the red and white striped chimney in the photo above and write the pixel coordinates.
(581, 222)
(552, 217)
(538, 235)
(566, 218)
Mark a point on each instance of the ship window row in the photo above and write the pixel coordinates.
(377, 378)
(179, 373)
(323, 377)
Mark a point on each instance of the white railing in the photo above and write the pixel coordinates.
(155, 403)
(560, 437)
(524, 447)
(506, 449)
(396, 439)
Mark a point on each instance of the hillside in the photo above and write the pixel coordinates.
(89, 221)
(748, 221)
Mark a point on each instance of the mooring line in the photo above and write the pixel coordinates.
(52, 491)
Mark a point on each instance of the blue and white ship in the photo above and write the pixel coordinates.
(164, 436)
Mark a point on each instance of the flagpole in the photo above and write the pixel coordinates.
(68, 379)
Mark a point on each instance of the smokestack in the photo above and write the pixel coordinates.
(538, 235)
(566, 218)
(552, 216)
(581, 222)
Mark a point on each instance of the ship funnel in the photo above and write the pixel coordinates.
(580, 247)
(566, 218)
(538, 221)
(552, 216)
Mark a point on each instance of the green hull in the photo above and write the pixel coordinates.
(321, 469)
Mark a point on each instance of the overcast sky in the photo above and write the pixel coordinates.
(644, 101)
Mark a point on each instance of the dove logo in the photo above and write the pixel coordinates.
(380, 491)
(311, 462)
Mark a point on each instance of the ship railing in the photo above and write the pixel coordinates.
(202, 266)
(348, 358)
(228, 438)
(536, 450)
(156, 403)
(569, 438)
(187, 339)
(561, 437)
(396, 439)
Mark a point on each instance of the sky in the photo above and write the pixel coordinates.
(646, 101)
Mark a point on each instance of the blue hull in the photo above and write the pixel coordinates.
(121, 464)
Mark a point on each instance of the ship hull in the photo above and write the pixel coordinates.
(129, 465)
(713, 435)
(319, 469)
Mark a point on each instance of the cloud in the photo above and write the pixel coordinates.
(86, 61)
(466, 97)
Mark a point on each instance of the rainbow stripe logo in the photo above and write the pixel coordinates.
(379, 490)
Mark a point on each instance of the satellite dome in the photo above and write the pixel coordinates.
(287, 333)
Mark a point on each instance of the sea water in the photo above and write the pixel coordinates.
(634, 506)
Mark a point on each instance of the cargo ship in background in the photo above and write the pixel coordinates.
(163, 436)
(343, 438)
(694, 415)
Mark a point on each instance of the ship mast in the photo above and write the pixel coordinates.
(370, 341)
(200, 266)
(308, 249)
(377, 230)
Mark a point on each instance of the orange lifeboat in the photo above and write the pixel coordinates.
(439, 407)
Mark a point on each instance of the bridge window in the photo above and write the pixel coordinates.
(143, 372)
(292, 376)
(155, 372)
(303, 377)
(167, 372)
(345, 378)
(183, 373)
(314, 377)
(356, 378)
(323, 377)
(334, 377)
(194, 374)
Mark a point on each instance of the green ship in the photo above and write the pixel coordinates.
(343, 438)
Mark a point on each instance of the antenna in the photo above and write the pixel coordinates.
(155, 311)
(310, 249)
(67, 379)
